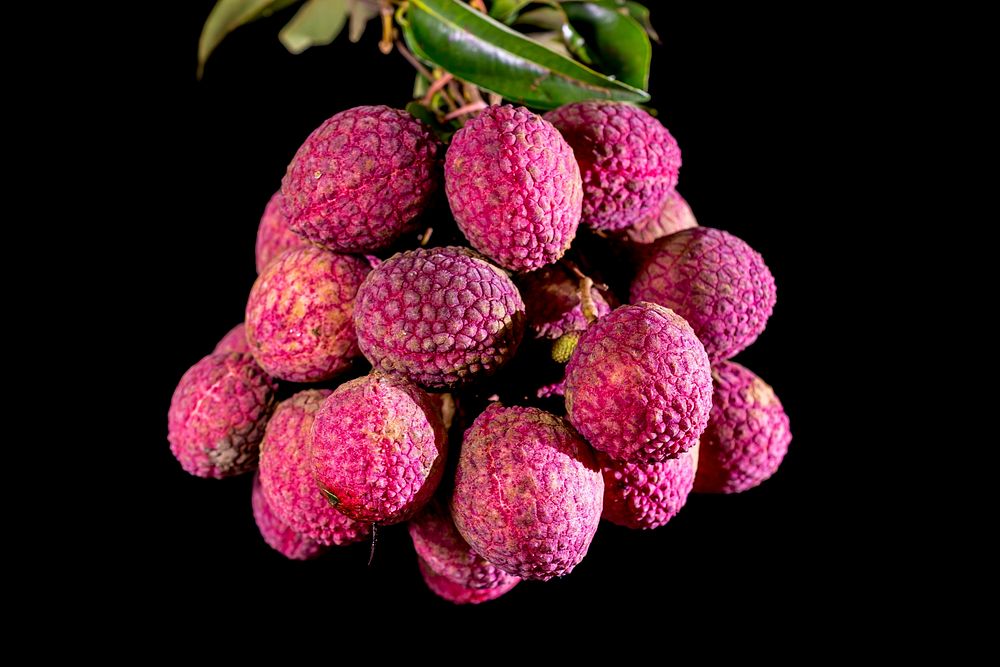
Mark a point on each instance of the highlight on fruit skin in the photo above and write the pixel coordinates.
(514, 187)
(747, 436)
(440, 317)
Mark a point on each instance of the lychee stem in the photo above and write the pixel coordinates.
(587, 300)
(371, 554)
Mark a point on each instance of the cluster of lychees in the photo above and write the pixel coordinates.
(529, 487)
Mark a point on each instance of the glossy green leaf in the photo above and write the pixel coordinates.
(228, 15)
(483, 51)
(362, 11)
(507, 10)
(641, 14)
(317, 22)
(619, 45)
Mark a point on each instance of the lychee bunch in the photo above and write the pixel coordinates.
(640, 403)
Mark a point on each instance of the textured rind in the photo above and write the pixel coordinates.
(378, 447)
(715, 281)
(747, 436)
(628, 161)
(273, 234)
(455, 592)
(234, 341)
(360, 179)
(218, 413)
(299, 316)
(639, 386)
(440, 316)
(646, 495)
(286, 474)
(278, 535)
(440, 546)
(514, 187)
(675, 215)
(528, 492)
(552, 303)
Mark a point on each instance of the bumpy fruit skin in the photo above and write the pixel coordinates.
(299, 314)
(445, 555)
(440, 316)
(287, 476)
(218, 413)
(455, 592)
(234, 341)
(747, 435)
(514, 187)
(715, 281)
(629, 162)
(277, 534)
(528, 492)
(273, 234)
(361, 178)
(639, 386)
(643, 496)
(378, 449)
(552, 303)
(675, 215)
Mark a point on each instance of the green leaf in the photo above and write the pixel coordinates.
(482, 51)
(317, 22)
(362, 11)
(507, 10)
(618, 44)
(228, 15)
(637, 11)
(420, 86)
(551, 40)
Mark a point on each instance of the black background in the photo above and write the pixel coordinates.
(731, 89)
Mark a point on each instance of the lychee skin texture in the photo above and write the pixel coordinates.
(528, 492)
(287, 476)
(378, 449)
(439, 316)
(218, 413)
(675, 215)
(552, 303)
(628, 161)
(455, 592)
(715, 281)
(299, 316)
(277, 534)
(639, 386)
(643, 496)
(234, 341)
(441, 548)
(361, 178)
(514, 187)
(273, 234)
(747, 435)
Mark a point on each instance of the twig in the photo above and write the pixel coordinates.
(436, 86)
(580, 275)
(388, 32)
(426, 237)
(587, 300)
(403, 51)
(467, 109)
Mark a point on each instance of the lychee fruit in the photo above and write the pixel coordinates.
(514, 187)
(299, 314)
(273, 234)
(646, 495)
(639, 385)
(747, 436)
(675, 215)
(715, 281)
(438, 316)
(218, 413)
(361, 179)
(528, 492)
(628, 161)
(287, 476)
(378, 449)
(449, 565)
(276, 533)
(234, 341)
(552, 302)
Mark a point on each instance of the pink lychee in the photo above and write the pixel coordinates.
(277, 534)
(273, 234)
(646, 495)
